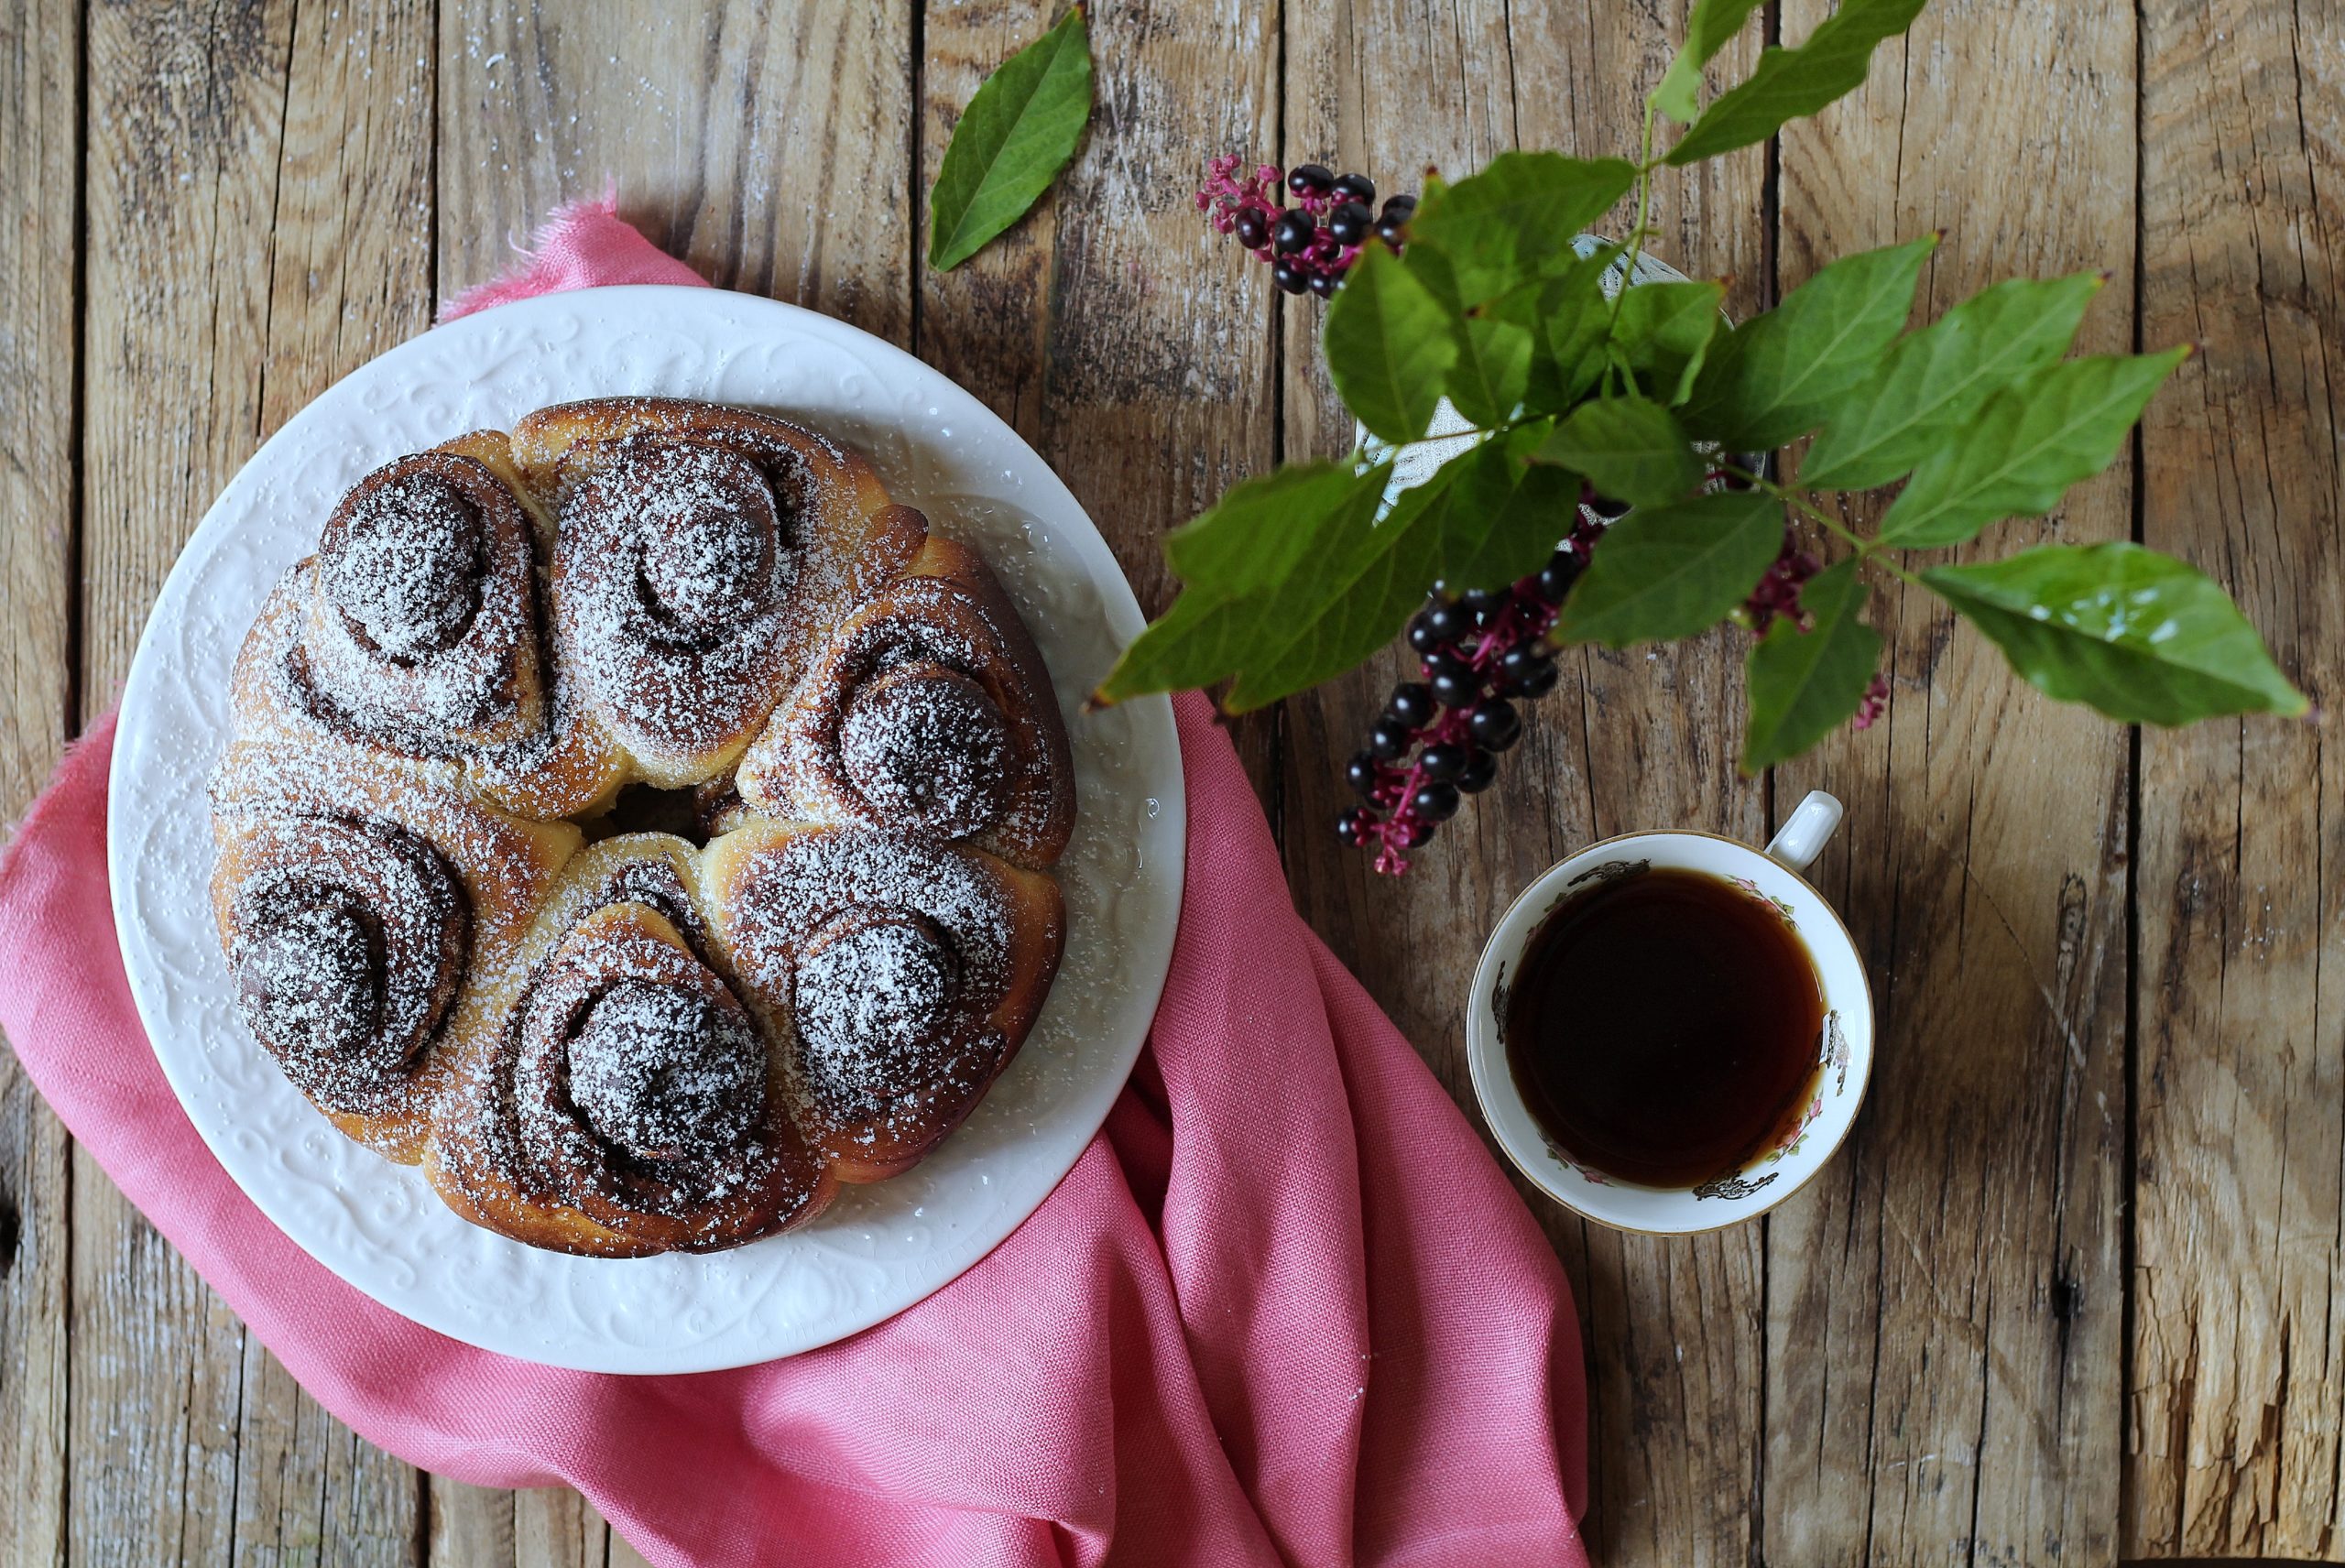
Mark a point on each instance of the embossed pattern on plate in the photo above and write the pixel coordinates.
(880, 1248)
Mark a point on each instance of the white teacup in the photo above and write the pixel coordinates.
(1844, 1053)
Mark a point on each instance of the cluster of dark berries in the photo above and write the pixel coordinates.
(1439, 737)
(1312, 244)
(1778, 591)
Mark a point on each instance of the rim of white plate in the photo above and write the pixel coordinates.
(882, 1249)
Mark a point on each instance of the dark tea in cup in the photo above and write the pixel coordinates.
(1663, 1025)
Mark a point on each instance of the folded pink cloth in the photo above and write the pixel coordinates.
(1284, 1310)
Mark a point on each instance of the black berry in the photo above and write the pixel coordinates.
(1294, 233)
(1253, 229)
(1410, 703)
(1400, 205)
(1357, 187)
(1363, 773)
(1354, 825)
(1457, 687)
(1291, 278)
(1349, 222)
(1411, 831)
(1495, 725)
(1426, 634)
(1445, 759)
(1325, 284)
(1311, 179)
(1448, 619)
(1528, 671)
(1435, 803)
(1555, 578)
(1481, 767)
(1390, 739)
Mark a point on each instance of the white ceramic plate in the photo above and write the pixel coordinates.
(880, 1248)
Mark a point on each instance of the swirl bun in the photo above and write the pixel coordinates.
(927, 710)
(422, 623)
(905, 973)
(700, 551)
(629, 1103)
(348, 940)
(636, 1045)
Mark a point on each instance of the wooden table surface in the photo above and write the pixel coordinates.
(2071, 1293)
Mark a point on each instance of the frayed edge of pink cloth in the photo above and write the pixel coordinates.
(582, 244)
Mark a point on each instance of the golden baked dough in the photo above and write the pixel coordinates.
(639, 1045)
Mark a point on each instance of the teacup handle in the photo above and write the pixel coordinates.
(1806, 832)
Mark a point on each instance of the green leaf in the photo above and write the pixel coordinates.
(1293, 616)
(1803, 684)
(1674, 572)
(2137, 635)
(1259, 556)
(1709, 27)
(2026, 447)
(1571, 320)
(1790, 84)
(1514, 222)
(1506, 514)
(1014, 137)
(1663, 331)
(1258, 531)
(1493, 368)
(1629, 447)
(1390, 345)
(1938, 378)
(1775, 377)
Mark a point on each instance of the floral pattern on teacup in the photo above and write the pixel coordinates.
(1734, 1184)
(1780, 907)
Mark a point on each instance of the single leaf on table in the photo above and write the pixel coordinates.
(1709, 27)
(1791, 83)
(1774, 378)
(1936, 378)
(1803, 684)
(2139, 636)
(1675, 571)
(1390, 346)
(1514, 222)
(1015, 135)
(1296, 518)
(2030, 442)
(1664, 329)
(1629, 447)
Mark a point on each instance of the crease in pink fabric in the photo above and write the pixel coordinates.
(1284, 1309)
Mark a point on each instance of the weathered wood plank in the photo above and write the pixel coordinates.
(1945, 1306)
(1671, 1328)
(2237, 1390)
(768, 147)
(256, 181)
(39, 205)
(546, 1527)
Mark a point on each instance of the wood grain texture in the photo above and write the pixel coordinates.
(1946, 1305)
(2238, 1396)
(41, 65)
(1671, 1328)
(767, 145)
(242, 164)
(546, 1527)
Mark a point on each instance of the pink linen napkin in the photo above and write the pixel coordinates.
(1284, 1310)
